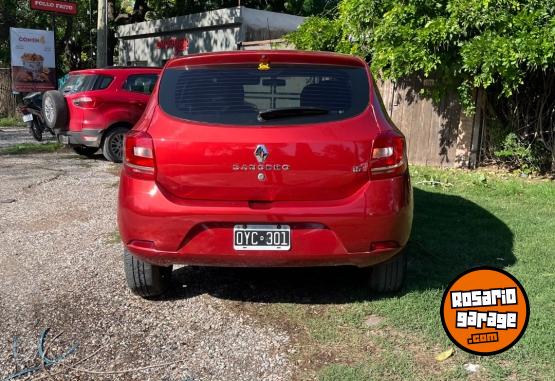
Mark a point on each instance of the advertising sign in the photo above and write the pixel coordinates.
(179, 45)
(64, 7)
(33, 60)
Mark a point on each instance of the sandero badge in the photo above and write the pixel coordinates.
(261, 153)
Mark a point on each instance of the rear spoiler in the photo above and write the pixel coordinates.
(267, 56)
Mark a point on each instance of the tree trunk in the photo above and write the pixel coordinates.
(102, 35)
(112, 40)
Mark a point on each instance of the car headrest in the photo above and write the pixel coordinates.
(332, 95)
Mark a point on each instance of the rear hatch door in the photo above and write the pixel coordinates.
(281, 133)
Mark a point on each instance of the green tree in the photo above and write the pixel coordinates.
(503, 46)
(318, 33)
(169, 8)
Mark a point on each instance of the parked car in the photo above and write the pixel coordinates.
(264, 158)
(96, 107)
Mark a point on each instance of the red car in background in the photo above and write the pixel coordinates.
(96, 107)
(264, 158)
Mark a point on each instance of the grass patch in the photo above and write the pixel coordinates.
(29, 148)
(113, 238)
(462, 220)
(11, 122)
(114, 169)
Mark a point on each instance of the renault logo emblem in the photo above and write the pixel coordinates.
(261, 153)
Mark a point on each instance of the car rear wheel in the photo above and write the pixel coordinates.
(54, 109)
(112, 147)
(84, 150)
(388, 276)
(145, 279)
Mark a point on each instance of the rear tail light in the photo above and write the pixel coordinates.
(139, 155)
(388, 156)
(86, 102)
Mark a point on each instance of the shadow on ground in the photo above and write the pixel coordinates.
(450, 234)
(94, 157)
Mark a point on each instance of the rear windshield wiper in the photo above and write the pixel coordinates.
(289, 112)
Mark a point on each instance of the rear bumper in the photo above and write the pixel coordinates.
(262, 259)
(163, 230)
(85, 137)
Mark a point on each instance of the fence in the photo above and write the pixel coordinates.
(8, 102)
(437, 133)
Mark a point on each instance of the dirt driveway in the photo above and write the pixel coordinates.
(61, 269)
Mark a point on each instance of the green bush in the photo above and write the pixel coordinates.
(317, 33)
(502, 46)
(519, 154)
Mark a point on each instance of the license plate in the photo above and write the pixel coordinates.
(261, 237)
(27, 117)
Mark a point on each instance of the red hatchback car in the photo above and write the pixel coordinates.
(96, 107)
(264, 158)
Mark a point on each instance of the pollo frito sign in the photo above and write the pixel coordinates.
(64, 7)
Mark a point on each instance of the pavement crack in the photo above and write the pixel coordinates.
(46, 181)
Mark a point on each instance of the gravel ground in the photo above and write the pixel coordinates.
(61, 268)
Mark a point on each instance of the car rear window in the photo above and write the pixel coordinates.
(85, 82)
(103, 82)
(77, 83)
(239, 95)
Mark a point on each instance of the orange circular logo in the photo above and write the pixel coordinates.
(485, 311)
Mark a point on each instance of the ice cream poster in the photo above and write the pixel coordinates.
(33, 60)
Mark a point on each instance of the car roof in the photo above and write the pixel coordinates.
(115, 69)
(276, 56)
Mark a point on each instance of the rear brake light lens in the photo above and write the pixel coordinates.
(388, 156)
(85, 102)
(139, 155)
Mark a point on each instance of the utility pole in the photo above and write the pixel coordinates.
(55, 52)
(102, 34)
(91, 45)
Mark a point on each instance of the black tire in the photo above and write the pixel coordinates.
(54, 109)
(389, 276)
(112, 145)
(84, 150)
(145, 279)
(35, 130)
